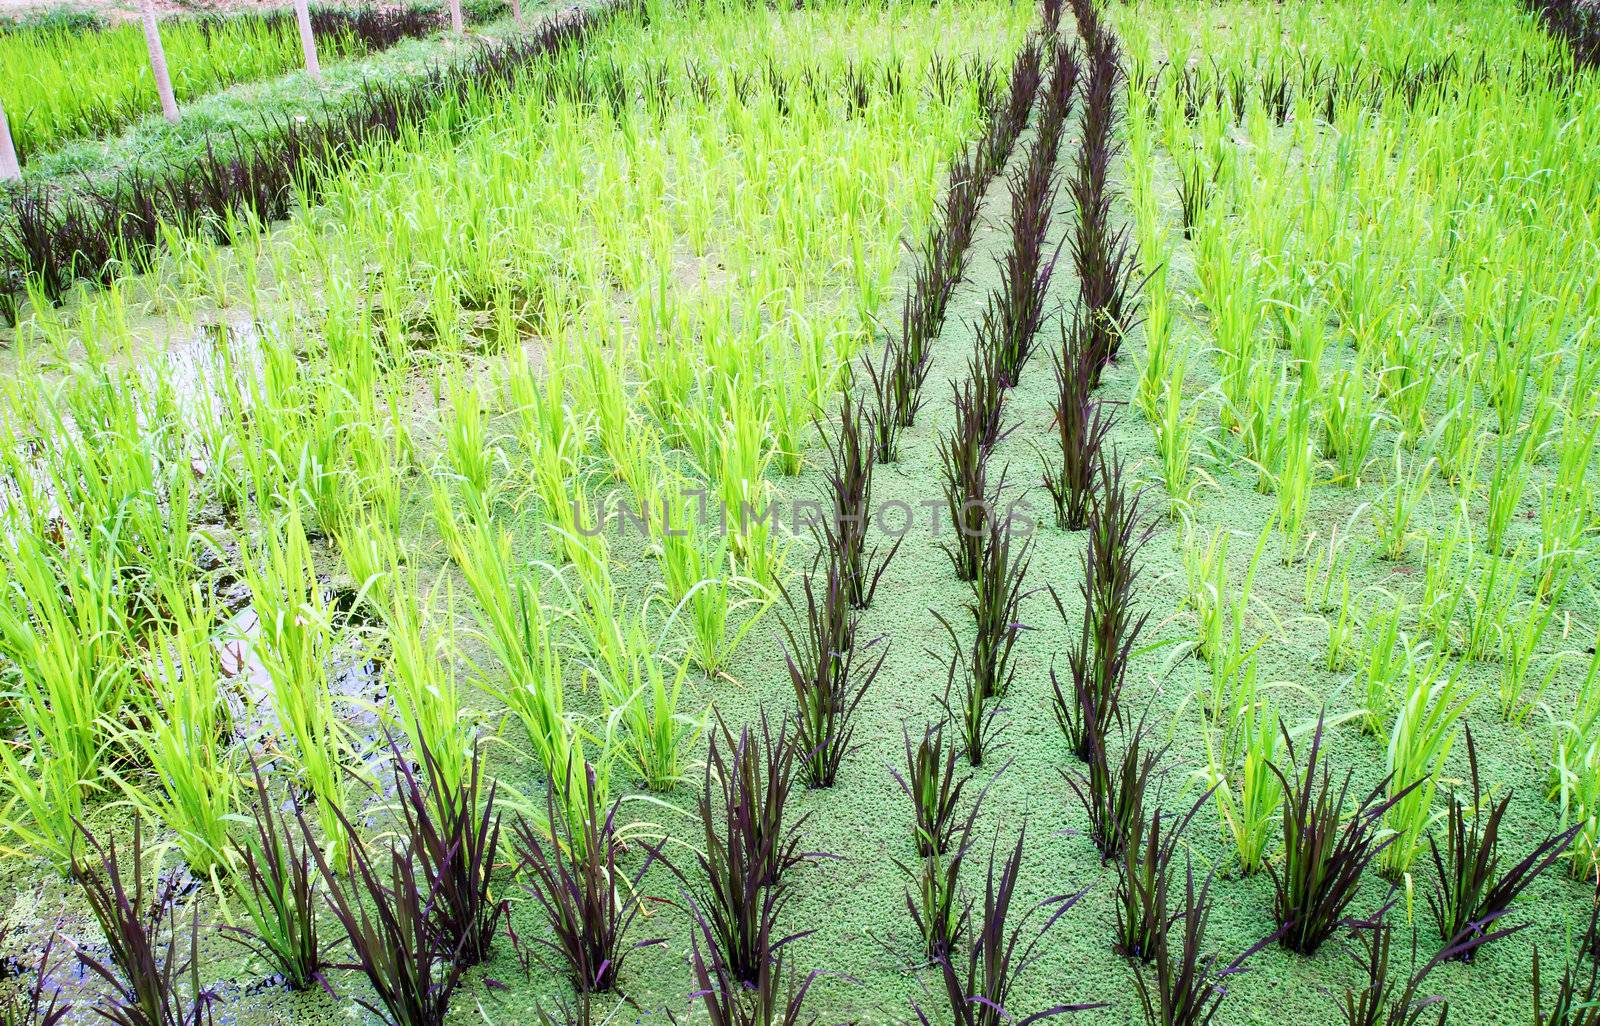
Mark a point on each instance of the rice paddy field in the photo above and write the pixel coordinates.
(853, 512)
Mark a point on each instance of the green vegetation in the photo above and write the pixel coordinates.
(566, 456)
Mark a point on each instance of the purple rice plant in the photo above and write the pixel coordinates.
(1081, 426)
(1088, 18)
(748, 850)
(376, 28)
(1472, 891)
(1101, 254)
(937, 905)
(1050, 15)
(1008, 120)
(1145, 871)
(890, 378)
(1098, 664)
(829, 683)
(921, 319)
(388, 916)
(1065, 71)
(1194, 195)
(975, 720)
(969, 499)
(732, 1002)
(571, 872)
(453, 836)
(998, 955)
(986, 381)
(950, 241)
(1385, 999)
(38, 1001)
(1575, 22)
(1325, 852)
(1118, 532)
(280, 894)
(1016, 308)
(996, 605)
(1184, 985)
(1113, 793)
(942, 838)
(1577, 998)
(150, 953)
(848, 520)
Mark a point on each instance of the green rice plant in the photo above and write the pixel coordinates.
(657, 734)
(1162, 353)
(1303, 326)
(1406, 379)
(1248, 798)
(424, 695)
(1328, 594)
(1342, 630)
(1388, 651)
(1565, 509)
(1443, 585)
(520, 630)
(1349, 424)
(1205, 571)
(1576, 769)
(1572, 735)
(1233, 661)
(181, 728)
(1231, 290)
(743, 456)
(1174, 431)
(1510, 353)
(552, 435)
(468, 448)
(1520, 690)
(295, 648)
(62, 629)
(1326, 570)
(697, 577)
(1459, 438)
(1507, 478)
(1264, 420)
(1394, 514)
(1294, 478)
(790, 419)
(1424, 732)
(1492, 597)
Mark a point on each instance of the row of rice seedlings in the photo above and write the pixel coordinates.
(828, 684)
(939, 266)
(1111, 625)
(742, 879)
(988, 550)
(61, 84)
(1101, 254)
(430, 907)
(1394, 524)
(1016, 308)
